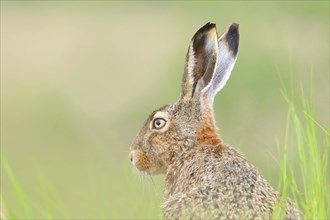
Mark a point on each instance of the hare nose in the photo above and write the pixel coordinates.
(131, 157)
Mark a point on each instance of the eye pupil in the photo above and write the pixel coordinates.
(159, 123)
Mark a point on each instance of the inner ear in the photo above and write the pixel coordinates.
(201, 60)
(206, 59)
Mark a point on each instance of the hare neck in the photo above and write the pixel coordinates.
(207, 133)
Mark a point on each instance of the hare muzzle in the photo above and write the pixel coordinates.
(139, 159)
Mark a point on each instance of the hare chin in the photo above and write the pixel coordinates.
(152, 171)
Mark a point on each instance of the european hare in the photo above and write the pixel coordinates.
(205, 178)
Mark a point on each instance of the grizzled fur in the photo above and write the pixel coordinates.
(238, 191)
(204, 178)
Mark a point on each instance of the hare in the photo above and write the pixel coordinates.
(204, 177)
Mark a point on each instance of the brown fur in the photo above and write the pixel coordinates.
(143, 163)
(207, 133)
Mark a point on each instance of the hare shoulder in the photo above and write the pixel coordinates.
(220, 179)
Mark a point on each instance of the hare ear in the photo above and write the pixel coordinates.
(201, 61)
(227, 55)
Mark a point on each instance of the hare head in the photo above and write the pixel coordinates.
(188, 123)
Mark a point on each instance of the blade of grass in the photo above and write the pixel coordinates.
(303, 129)
(19, 192)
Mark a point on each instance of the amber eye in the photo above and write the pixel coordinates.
(159, 123)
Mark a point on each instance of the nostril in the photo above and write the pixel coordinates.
(131, 157)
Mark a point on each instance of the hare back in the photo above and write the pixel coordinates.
(211, 182)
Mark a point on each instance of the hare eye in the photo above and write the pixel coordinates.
(159, 123)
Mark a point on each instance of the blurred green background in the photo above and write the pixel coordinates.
(79, 78)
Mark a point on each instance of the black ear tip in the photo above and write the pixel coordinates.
(232, 37)
(234, 26)
(211, 25)
(208, 26)
(233, 30)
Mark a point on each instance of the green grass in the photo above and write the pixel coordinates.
(19, 195)
(308, 186)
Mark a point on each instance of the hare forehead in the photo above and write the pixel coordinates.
(166, 112)
(162, 114)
